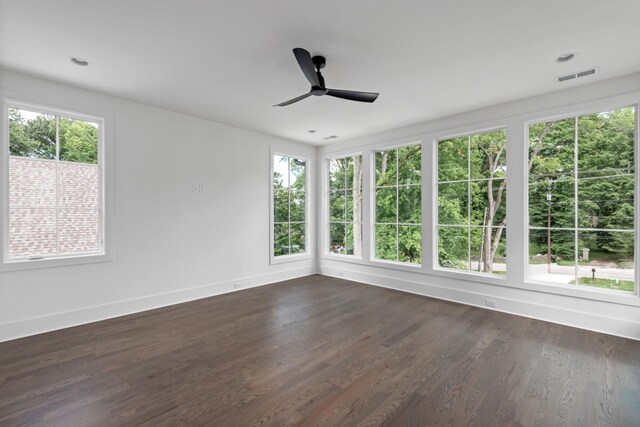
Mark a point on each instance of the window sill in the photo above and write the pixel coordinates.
(344, 258)
(289, 258)
(396, 265)
(26, 264)
(585, 292)
(471, 276)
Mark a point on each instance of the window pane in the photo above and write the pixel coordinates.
(298, 173)
(409, 204)
(606, 259)
(551, 148)
(280, 171)
(297, 206)
(480, 202)
(409, 165)
(78, 186)
(606, 144)
(281, 206)
(32, 183)
(78, 230)
(350, 241)
(297, 238)
(32, 232)
(452, 203)
(337, 239)
(410, 244)
(357, 206)
(386, 242)
(559, 245)
(386, 204)
(281, 239)
(488, 153)
(337, 206)
(32, 134)
(552, 200)
(348, 200)
(488, 248)
(337, 174)
(386, 168)
(453, 247)
(606, 202)
(78, 141)
(453, 160)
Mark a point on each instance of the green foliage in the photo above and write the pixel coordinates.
(289, 205)
(398, 204)
(36, 138)
(605, 182)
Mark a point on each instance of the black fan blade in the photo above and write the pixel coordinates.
(353, 95)
(306, 64)
(291, 101)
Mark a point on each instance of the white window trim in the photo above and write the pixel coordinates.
(308, 241)
(472, 275)
(630, 298)
(517, 154)
(400, 265)
(105, 120)
(326, 211)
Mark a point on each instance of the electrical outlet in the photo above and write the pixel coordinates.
(340, 273)
(237, 286)
(490, 303)
(197, 188)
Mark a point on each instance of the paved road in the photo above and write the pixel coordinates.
(565, 274)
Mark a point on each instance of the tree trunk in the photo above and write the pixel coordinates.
(357, 206)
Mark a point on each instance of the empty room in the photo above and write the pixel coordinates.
(339, 213)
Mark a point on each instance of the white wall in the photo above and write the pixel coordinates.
(171, 245)
(585, 308)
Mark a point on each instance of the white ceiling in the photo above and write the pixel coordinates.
(230, 61)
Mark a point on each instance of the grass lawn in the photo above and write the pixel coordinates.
(621, 285)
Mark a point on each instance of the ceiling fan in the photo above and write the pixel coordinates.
(311, 68)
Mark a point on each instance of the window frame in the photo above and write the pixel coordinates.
(435, 267)
(326, 191)
(373, 259)
(308, 253)
(75, 112)
(609, 295)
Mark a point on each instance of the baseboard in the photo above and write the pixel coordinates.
(52, 322)
(579, 319)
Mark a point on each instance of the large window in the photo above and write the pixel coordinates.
(55, 197)
(581, 200)
(345, 206)
(289, 205)
(472, 203)
(398, 207)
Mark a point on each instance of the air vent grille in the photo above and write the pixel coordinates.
(589, 72)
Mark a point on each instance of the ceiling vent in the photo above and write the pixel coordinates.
(327, 138)
(572, 76)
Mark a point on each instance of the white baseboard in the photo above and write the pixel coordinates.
(625, 328)
(52, 322)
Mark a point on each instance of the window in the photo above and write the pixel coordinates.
(345, 206)
(55, 198)
(398, 208)
(472, 203)
(289, 205)
(581, 200)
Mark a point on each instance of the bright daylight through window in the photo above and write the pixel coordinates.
(472, 203)
(398, 230)
(289, 205)
(345, 206)
(54, 186)
(581, 200)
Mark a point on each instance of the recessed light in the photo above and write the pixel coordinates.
(79, 61)
(312, 131)
(566, 57)
(331, 137)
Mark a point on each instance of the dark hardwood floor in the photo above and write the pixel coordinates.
(320, 351)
